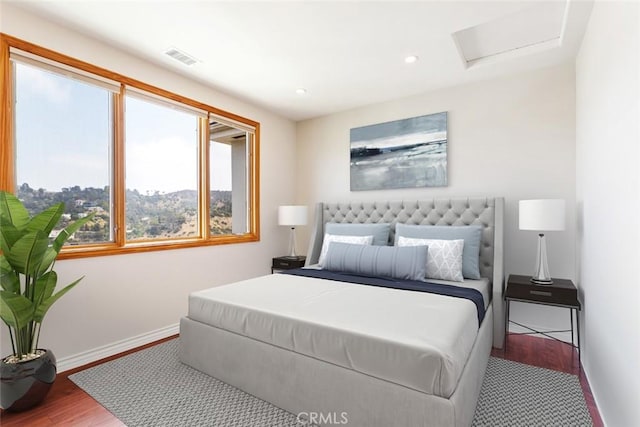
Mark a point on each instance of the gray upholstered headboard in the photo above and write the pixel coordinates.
(488, 212)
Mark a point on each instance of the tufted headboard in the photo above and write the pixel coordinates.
(488, 212)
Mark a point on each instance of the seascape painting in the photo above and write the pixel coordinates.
(404, 153)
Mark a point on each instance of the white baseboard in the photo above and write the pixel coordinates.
(80, 359)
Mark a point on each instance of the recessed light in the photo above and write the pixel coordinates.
(410, 59)
(301, 91)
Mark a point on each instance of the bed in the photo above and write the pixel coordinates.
(372, 355)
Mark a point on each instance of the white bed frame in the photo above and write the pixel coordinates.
(302, 384)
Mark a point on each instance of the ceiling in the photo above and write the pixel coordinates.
(345, 54)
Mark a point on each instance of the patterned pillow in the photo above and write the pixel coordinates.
(471, 234)
(444, 258)
(328, 238)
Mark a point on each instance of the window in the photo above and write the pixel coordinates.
(228, 177)
(63, 129)
(159, 171)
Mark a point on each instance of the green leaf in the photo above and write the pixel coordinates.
(4, 264)
(44, 286)
(27, 254)
(9, 235)
(48, 258)
(9, 279)
(15, 310)
(42, 309)
(47, 219)
(69, 230)
(12, 211)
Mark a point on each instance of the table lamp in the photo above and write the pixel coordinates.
(542, 215)
(292, 216)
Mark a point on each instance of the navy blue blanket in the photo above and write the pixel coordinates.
(472, 295)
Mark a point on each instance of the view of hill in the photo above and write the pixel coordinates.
(148, 216)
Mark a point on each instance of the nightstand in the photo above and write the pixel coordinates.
(561, 293)
(287, 263)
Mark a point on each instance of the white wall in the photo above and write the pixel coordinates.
(127, 295)
(512, 137)
(608, 195)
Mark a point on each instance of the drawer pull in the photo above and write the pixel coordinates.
(541, 293)
(284, 264)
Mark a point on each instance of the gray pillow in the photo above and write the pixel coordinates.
(407, 262)
(380, 232)
(471, 234)
(330, 238)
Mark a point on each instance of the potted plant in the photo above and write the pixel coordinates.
(28, 284)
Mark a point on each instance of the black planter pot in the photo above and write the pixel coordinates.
(25, 384)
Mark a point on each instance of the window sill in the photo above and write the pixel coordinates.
(86, 251)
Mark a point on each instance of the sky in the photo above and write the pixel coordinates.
(63, 129)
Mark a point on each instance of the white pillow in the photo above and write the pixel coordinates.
(328, 238)
(444, 257)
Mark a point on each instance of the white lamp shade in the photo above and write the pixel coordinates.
(292, 215)
(542, 214)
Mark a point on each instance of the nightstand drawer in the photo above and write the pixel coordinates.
(286, 263)
(562, 292)
(539, 293)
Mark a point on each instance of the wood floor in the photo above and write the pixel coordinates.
(68, 405)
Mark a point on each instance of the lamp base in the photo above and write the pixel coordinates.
(292, 243)
(544, 282)
(541, 276)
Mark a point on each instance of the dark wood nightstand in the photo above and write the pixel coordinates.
(561, 293)
(287, 263)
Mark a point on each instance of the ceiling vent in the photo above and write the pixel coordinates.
(532, 29)
(180, 56)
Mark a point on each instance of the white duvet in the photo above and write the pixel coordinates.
(415, 339)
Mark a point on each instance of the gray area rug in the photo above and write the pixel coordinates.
(515, 394)
(152, 388)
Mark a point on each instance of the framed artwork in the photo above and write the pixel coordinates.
(405, 153)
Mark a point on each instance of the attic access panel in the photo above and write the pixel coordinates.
(532, 29)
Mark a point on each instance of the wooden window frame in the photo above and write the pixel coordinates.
(120, 245)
